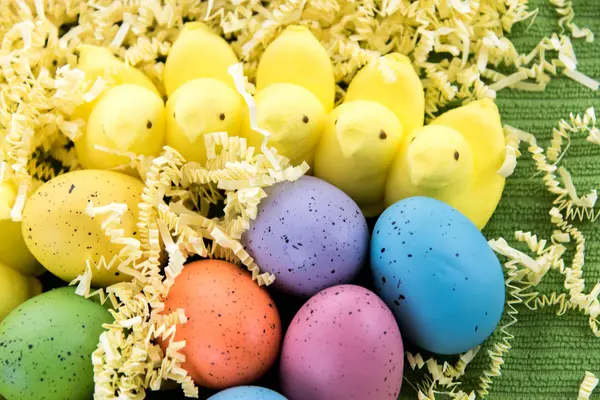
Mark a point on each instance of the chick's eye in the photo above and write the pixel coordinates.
(222, 117)
(382, 134)
(149, 124)
(305, 119)
(456, 155)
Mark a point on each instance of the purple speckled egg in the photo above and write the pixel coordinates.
(310, 234)
(344, 343)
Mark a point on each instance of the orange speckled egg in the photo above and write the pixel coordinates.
(233, 333)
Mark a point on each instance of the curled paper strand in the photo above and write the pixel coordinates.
(588, 385)
(129, 344)
(38, 98)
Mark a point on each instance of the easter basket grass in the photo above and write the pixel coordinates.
(551, 347)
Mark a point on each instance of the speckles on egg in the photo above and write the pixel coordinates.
(247, 393)
(59, 233)
(233, 333)
(305, 230)
(451, 280)
(343, 343)
(46, 345)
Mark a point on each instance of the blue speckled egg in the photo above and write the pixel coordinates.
(310, 234)
(438, 274)
(247, 393)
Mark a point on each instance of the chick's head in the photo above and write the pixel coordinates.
(438, 157)
(366, 131)
(198, 107)
(128, 118)
(295, 118)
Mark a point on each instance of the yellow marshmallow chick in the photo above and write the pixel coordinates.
(198, 53)
(15, 288)
(294, 116)
(356, 149)
(297, 57)
(13, 250)
(128, 118)
(296, 88)
(197, 107)
(99, 62)
(386, 90)
(393, 82)
(455, 159)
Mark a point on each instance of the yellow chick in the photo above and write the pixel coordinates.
(455, 159)
(97, 62)
(381, 97)
(15, 288)
(393, 82)
(296, 88)
(128, 118)
(437, 163)
(294, 116)
(13, 251)
(356, 149)
(297, 57)
(198, 53)
(197, 107)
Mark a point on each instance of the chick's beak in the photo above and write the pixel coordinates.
(121, 131)
(350, 139)
(430, 168)
(189, 121)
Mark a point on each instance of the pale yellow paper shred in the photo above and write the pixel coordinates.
(588, 385)
(183, 232)
(36, 99)
(564, 8)
(445, 375)
(525, 272)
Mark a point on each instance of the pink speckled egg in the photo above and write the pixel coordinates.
(343, 344)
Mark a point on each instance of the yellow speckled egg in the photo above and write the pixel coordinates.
(15, 288)
(13, 251)
(62, 236)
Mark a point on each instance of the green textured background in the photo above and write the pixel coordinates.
(549, 354)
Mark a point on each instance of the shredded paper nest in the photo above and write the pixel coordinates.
(460, 50)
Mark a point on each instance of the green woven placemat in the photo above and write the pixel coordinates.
(549, 354)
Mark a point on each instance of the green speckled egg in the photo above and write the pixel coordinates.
(46, 346)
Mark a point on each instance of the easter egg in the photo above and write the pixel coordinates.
(247, 393)
(62, 236)
(233, 333)
(15, 288)
(13, 250)
(343, 343)
(46, 347)
(309, 234)
(437, 273)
